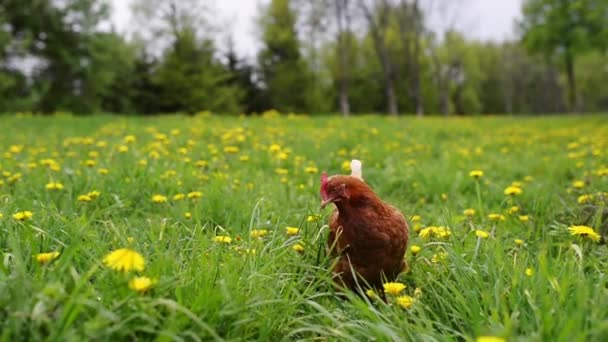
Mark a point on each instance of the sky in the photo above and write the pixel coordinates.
(477, 19)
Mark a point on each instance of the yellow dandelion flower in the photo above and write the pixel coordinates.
(476, 174)
(311, 169)
(405, 301)
(45, 258)
(482, 234)
(195, 195)
(187, 215)
(178, 197)
(222, 239)
(585, 232)
(1, 215)
(416, 218)
(393, 288)
(469, 212)
(23, 215)
(123, 148)
(415, 249)
(496, 217)
(298, 247)
(84, 198)
(490, 339)
(124, 260)
(513, 191)
(346, 166)
(90, 163)
(519, 242)
(231, 149)
(439, 257)
(313, 218)
(94, 194)
(529, 272)
(524, 218)
(371, 293)
(584, 199)
(141, 284)
(103, 171)
(159, 199)
(291, 231)
(258, 233)
(129, 139)
(578, 184)
(513, 210)
(54, 186)
(282, 172)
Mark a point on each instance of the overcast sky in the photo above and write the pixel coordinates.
(479, 19)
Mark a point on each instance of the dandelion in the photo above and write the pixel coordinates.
(23, 215)
(482, 234)
(231, 149)
(123, 148)
(529, 272)
(393, 288)
(45, 258)
(513, 191)
(280, 171)
(222, 239)
(1, 215)
(54, 186)
(513, 210)
(496, 217)
(432, 231)
(311, 170)
(439, 257)
(490, 339)
(519, 242)
(291, 231)
(584, 199)
(469, 212)
(405, 301)
(416, 218)
(178, 197)
(90, 163)
(585, 232)
(141, 284)
(578, 184)
(476, 174)
(94, 194)
(415, 250)
(84, 198)
(195, 195)
(298, 247)
(103, 172)
(258, 233)
(124, 260)
(524, 218)
(159, 199)
(187, 215)
(313, 218)
(371, 293)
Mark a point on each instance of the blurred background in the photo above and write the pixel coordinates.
(422, 57)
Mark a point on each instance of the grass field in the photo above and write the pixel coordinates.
(206, 201)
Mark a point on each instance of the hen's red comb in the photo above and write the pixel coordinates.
(324, 185)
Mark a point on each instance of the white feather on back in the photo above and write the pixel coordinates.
(355, 167)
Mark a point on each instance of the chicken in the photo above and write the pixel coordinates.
(368, 236)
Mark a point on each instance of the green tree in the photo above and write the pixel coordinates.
(566, 29)
(284, 72)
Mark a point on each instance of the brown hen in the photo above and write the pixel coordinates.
(368, 236)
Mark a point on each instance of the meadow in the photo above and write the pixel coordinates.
(176, 228)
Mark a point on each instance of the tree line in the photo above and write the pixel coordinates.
(316, 56)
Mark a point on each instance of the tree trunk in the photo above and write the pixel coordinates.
(381, 50)
(572, 98)
(417, 85)
(343, 50)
